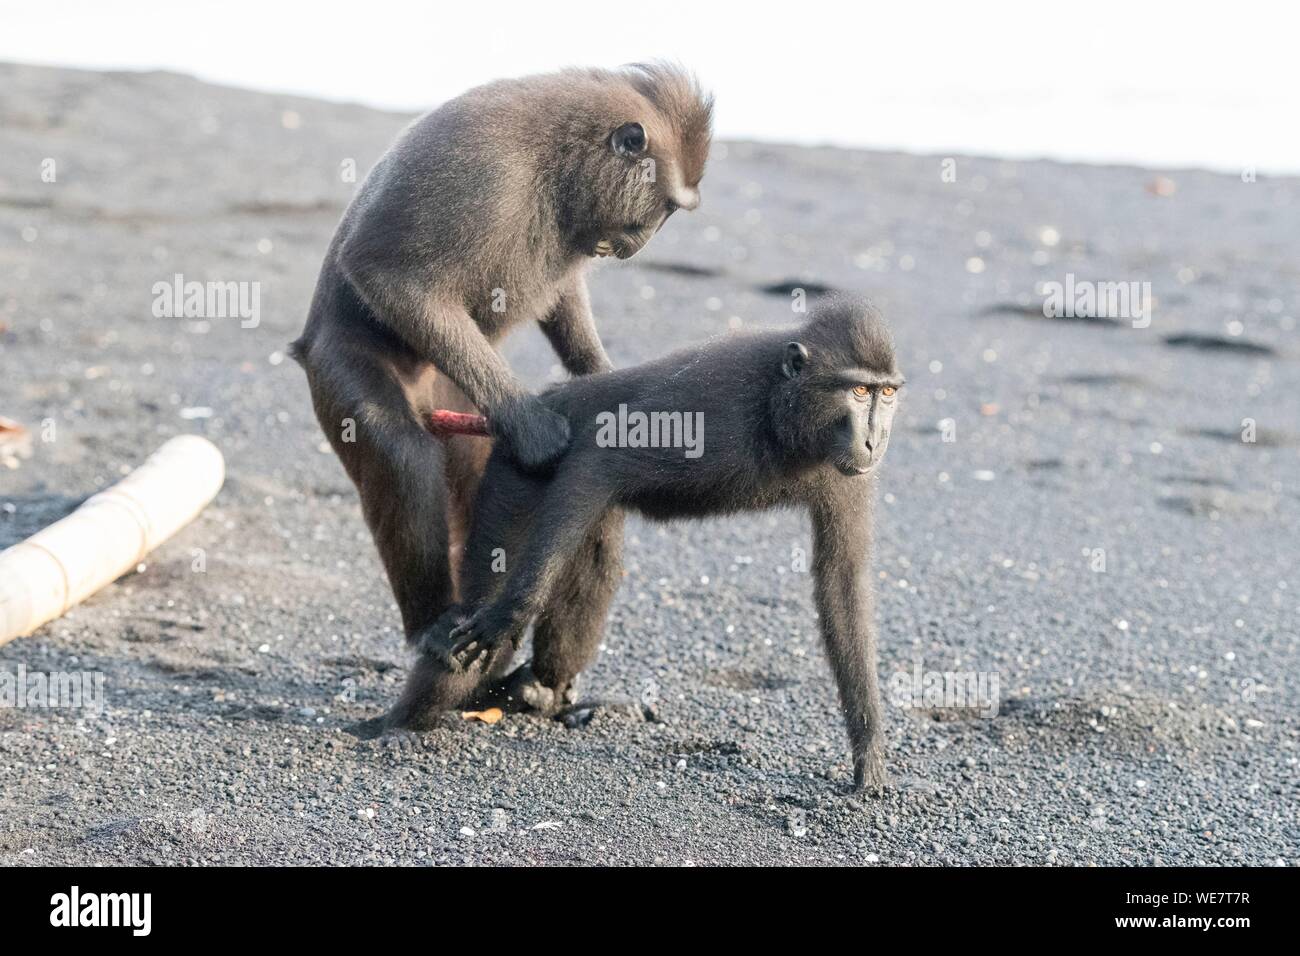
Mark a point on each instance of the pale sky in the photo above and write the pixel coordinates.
(1158, 84)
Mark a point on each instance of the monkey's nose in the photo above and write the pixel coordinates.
(688, 199)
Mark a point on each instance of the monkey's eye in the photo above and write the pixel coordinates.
(861, 391)
(888, 390)
(629, 139)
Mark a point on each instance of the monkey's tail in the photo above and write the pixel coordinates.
(443, 423)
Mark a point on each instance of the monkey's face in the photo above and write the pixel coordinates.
(641, 181)
(847, 411)
(863, 431)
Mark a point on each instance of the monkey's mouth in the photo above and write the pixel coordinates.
(619, 248)
(627, 242)
(853, 469)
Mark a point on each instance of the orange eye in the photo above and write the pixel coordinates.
(860, 391)
(888, 390)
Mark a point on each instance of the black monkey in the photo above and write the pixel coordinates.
(484, 214)
(790, 418)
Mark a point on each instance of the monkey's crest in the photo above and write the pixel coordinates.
(853, 332)
(680, 100)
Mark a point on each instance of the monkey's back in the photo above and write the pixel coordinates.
(726, 382)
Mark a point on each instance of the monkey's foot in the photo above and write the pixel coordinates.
(521, 690)
(369, 729)
(473, 639)
(579, 714)
(869, 774)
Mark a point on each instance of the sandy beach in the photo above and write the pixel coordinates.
(1068, 506)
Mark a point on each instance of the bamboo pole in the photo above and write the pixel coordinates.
(112, 532)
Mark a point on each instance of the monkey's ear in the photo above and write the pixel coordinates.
(796, 357)
(629, 140)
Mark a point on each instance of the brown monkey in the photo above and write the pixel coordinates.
(483, 214)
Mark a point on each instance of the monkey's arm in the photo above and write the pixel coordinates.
(841, 527)
(444, 333)
(573, 503)
(532, 433)
(571, 330)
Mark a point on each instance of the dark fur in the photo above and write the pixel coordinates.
(782, 428)
(499, 196)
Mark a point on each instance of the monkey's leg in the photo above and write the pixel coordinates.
(567, 632)
(404, 504)
(364, 401)
(841, 541)
(501, 518)
(574, 502)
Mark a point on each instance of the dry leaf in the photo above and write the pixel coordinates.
(1162, 186)
(11, 430)
(15, 442)
(489, 716)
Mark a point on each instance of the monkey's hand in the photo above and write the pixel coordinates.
(474, 639)
(533, 435)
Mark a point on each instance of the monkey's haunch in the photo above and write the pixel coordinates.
(443, 424)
